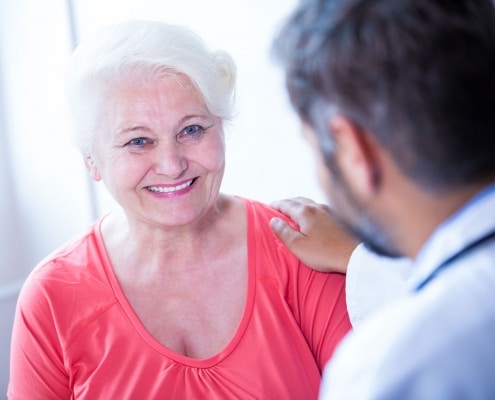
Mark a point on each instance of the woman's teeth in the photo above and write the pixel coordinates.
(168, 189)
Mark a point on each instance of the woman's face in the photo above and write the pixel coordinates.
(160, 152)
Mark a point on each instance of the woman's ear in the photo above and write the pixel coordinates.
(92, 169)
(357, 155)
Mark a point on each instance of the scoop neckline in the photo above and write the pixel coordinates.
(155, 344)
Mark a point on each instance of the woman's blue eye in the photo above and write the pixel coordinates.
(138, 142)
(189, 133)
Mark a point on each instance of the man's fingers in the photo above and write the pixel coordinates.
(285, 232)
(294, 208)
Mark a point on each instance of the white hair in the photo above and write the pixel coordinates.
(143, 51)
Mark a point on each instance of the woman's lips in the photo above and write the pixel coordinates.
(171, 189)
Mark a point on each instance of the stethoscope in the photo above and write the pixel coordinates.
(471, 246)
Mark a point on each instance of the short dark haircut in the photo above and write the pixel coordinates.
(418, 74)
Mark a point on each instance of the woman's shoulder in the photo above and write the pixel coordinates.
(67, 288)
(75, 262)
(264, 245)
(75, 255)
(264, 212)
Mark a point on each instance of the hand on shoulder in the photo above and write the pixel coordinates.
(321, 243)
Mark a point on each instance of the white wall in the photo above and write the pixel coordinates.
(45, 197)
(43, 200)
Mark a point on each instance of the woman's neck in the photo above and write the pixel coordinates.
(133, 244)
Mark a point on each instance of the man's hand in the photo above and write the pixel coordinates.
(321, 244)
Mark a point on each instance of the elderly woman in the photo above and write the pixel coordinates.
(184, 292)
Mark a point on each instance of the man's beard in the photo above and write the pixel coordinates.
(356, 220)
(371, 236)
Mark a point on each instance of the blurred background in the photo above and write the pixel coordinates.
(46, 196)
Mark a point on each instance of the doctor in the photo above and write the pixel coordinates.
(398, 101)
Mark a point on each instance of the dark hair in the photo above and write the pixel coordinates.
(418, 74)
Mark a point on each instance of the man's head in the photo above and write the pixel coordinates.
(414, 77)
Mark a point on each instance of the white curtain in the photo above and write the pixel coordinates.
(45, 195)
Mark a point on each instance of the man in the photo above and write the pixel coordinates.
(398, 99)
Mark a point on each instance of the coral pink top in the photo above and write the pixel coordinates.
(76, 337)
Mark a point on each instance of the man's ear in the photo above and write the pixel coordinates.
(92, 169)
(356, 154)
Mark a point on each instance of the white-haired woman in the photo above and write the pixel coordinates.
(184, 292)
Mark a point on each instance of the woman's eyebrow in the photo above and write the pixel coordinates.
(131, 129)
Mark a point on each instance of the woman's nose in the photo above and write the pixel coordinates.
(170, 159)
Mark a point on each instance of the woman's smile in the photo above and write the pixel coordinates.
(178, 189)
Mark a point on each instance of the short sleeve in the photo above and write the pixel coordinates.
(36, 365)
(323, 311)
